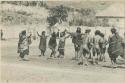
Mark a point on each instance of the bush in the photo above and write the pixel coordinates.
(57, 14)
(23, 13)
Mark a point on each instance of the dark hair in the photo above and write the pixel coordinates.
(97, 32)
(113, 30)
(24, 32)
(53, 34)
(78, 30)
(43, 32)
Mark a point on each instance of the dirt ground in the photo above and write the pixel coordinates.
(43, 70)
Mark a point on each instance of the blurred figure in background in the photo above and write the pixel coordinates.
(1, 34)
(23, 44)
(58, 34)
(124, 44)
(42, 44)
(124, 41)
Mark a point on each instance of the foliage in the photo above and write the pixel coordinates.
(57, 14)
(52, 20)
(27, 3)
(85, 17)
(105, 22)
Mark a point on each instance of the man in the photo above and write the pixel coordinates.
(96, 48)
(85, 48)
(76, 40)
(102, 46)
(115, 48)
(89, 42)
(61, 45)
(52, 44)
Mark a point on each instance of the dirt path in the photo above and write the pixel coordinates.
(41, 70)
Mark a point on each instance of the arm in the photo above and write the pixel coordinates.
(106, 41)
(38, 34)
(68, 32)
(29, 35)
(71, 34)
(67, 36)
(48, 35)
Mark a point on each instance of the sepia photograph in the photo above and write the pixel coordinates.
(62, 41)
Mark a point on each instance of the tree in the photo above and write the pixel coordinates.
(88, 16)
(105, 22)
(52, 20)
(83, 17)
(58, 14)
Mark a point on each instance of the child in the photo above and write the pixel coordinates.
(53, 44)
(61, 46)
(42, 44)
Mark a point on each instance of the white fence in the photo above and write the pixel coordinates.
(13, 31)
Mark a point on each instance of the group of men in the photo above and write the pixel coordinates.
(87, 47)
(93, 48)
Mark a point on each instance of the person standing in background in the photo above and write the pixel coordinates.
(124, 41)
(1, 34)
(123, 44)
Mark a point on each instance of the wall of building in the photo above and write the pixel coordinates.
(114, 21)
